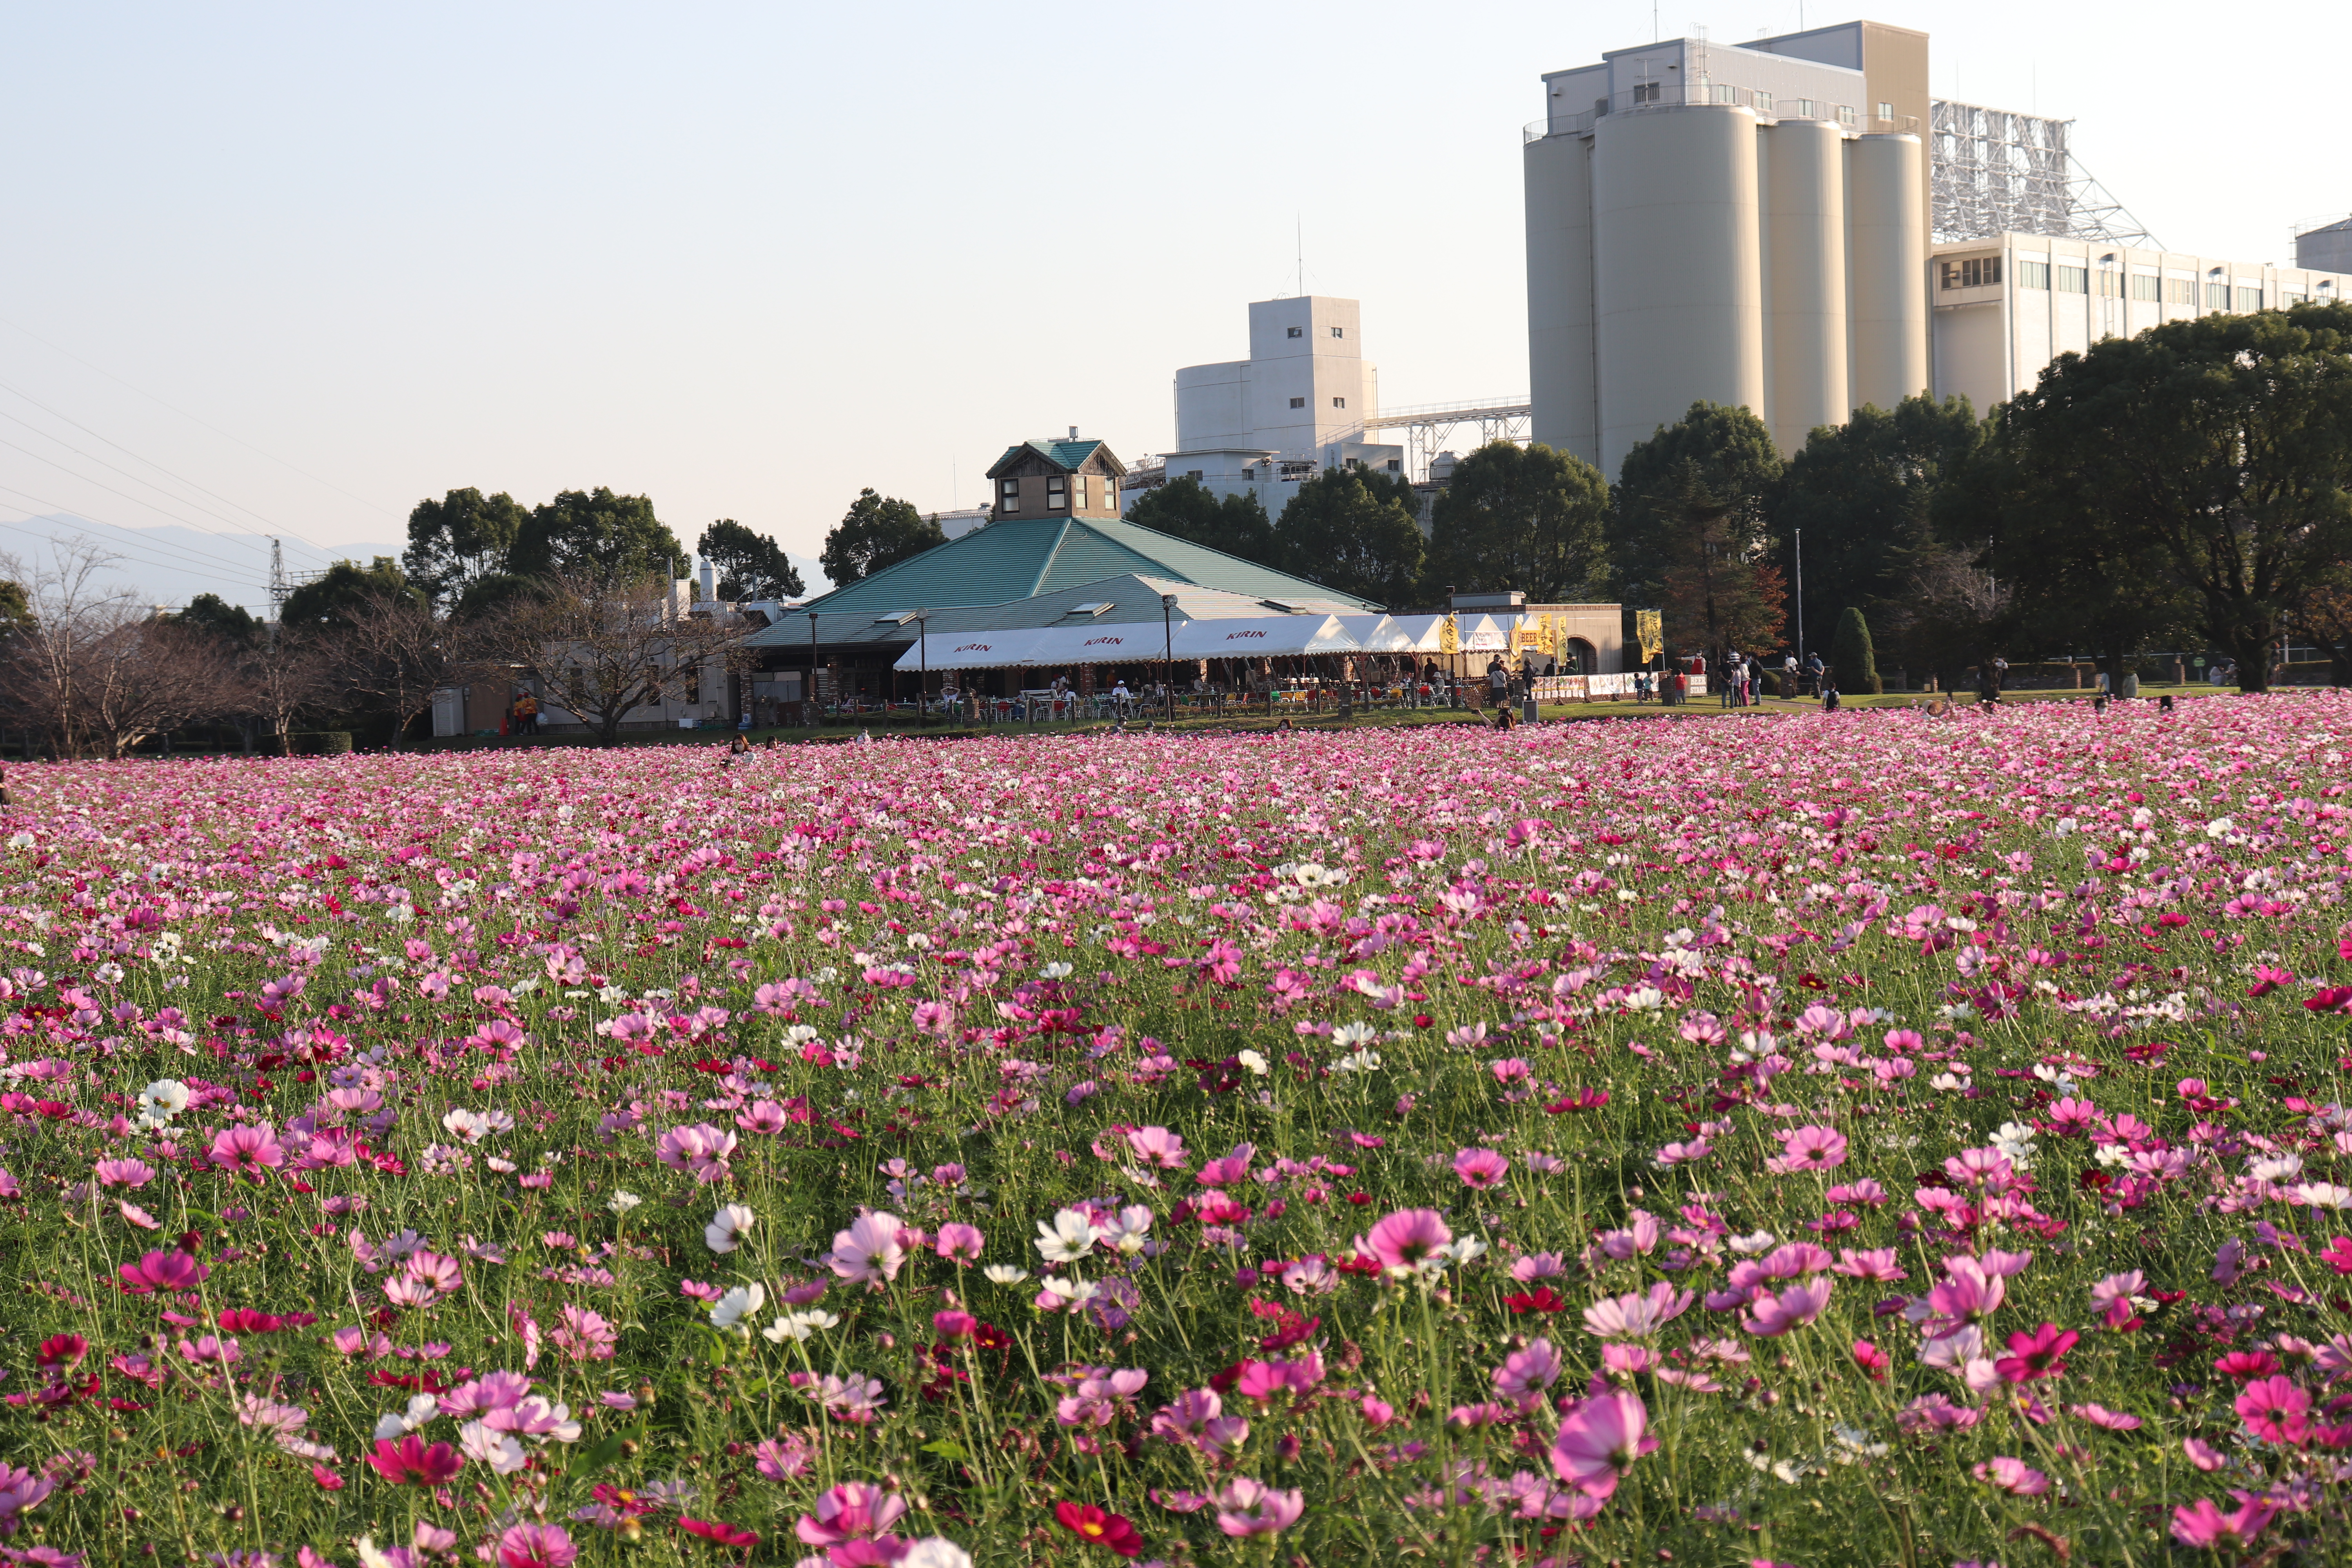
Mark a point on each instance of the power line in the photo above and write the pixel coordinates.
(183, 414)
(110, 489)
(159, 468)
(197, 557)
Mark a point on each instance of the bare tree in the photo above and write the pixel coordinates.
(148, 677)
(602, 649)
(397, 653)
(284, 678)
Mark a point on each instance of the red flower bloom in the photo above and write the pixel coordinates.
(327, 1481)
(725, 1535)
(2243, 1366)
(63, 1351)
(1542, 1299)
(409, 1459)
(1100, 1526)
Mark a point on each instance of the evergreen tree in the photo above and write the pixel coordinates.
(1852, 657)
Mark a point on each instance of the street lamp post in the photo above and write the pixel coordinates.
(1168, 652)
(808, 699)
(923, 690)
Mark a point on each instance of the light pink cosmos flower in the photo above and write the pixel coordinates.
(2205, 1527)
(1158, 1147)
(871, 1251)
(960, 1242)
(2014, 1477)
(585, 1335)
(700, 1151)
(1636, 1316)
(1769, 1317)
(1403, 1241)
(1246, 1508)
(123, 1173)
(854, 1510)
(1813, 1147)
(1524, 1374)
(1480, 1168)
(1599, 1441)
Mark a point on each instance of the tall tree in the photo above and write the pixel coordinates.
(1717, 589)
(459, 538)
(601, 649)
(1724, 452)
(1188, 510)
(16, 609)
(1852, 655)
(596, 532)
(877, 531)
(395, 653)
(1861, 494)
(2222, 446)
(338, 596)
(1352, 530)
(750, 564)
(233, 624)
(1528, 518)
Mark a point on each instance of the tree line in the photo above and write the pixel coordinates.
(576, 600)
(2193, 484)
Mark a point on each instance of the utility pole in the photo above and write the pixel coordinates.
(1800, 595)
(278, 589)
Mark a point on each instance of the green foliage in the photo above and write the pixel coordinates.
(493, 593)
(233, 623)
(1528, 518)
(1188, 510)
(877, 531)
(750, 564)
(1725, 453)
(2209, 459)
(1863, 494)
(1853, 658)
(464, 536)
(15, 608)
(338, 597)
(1352, 530)
(596, 534)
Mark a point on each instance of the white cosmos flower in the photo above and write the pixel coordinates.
(2322, 1194)
(393, 1425)
(1126, 1233)
(738, 1304)
(2277, 1168)
(1004, 1274)
(728, 1227)
(1254, 1062)
(1749, 1245)
(1070, 1237)
(623, 1201)
(164, 1099)
(1054, 972)
(798, 1326)
(935, 1552)
(497, 1449)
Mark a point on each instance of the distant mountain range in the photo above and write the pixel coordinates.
(172, 565)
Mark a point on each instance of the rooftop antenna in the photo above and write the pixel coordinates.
(1300, 221)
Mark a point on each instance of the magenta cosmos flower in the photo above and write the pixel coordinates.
(871, 1250)
(854, 1510)
(536, 1546)
(1769, 1317)
(1480, 1168)
(162, 1272)
(1405, 1240)
(1808, 1149)
(1599, 1441)
(250, 1151)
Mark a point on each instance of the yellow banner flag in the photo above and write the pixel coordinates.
(1449, 636)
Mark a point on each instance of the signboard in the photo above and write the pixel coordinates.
(1449, 636)
(1650, 632)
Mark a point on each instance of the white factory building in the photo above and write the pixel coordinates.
(2008, 305)
(1794, 225)
(1296, 406)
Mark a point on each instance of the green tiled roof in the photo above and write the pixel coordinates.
(1069, 455)
(1019, 558)
(1131, 597)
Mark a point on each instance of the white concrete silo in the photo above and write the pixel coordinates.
(1559, 172)
(1678, 267)
(1805, 282)
(1887, 266)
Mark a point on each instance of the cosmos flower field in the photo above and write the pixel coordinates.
(1834, 1138)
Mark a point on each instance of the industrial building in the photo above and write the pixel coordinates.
(1795, 227)
(2006, 305)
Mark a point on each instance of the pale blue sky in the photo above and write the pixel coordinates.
(747, 258)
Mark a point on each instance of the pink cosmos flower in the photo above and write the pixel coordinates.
(1638, 1315)
(1769, 1317)
(700, 1151)
(536, 1546)
(1480, 1168)
(960, 1242)
(1403, 1241)
(2040, 1355)
(586, 1336)
(123, 1173)
(1599, 1441)
(2275, 1410)
(2100, 1416)
(1524, 1374)
(2012, 1476)
(870, 1251)
(1246, 1508)
(162, 1272)
(854, 1510)
(1158, 1148)
(2204, 1527)
(249, 1150)
(1811, 1148)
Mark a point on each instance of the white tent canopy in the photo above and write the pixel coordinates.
(1377, 634)
(1486, 635)
(1419, 634)
(1129, 642)
(1263, 637)
(972, 650)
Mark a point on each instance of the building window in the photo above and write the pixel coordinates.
(1647, 91)
(1847, 117)
(1804, 108)
(1886, 112)
(2033, 275)
(1338, 331)
(2111, 284)
(1082, 492)
(1057, 494)
(2180, 290)
(2144, 286)
(1011, 492)
(2217, 296)
(1297, 331)
(2250, 299)
(1763, 102)
(1299, 403)
(2074, 279)
(1338, 403)
(2290, 299)
(1976, 272)
(1724, 92)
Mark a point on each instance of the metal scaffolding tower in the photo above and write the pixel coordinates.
(1991, 171)
(1428, 426)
